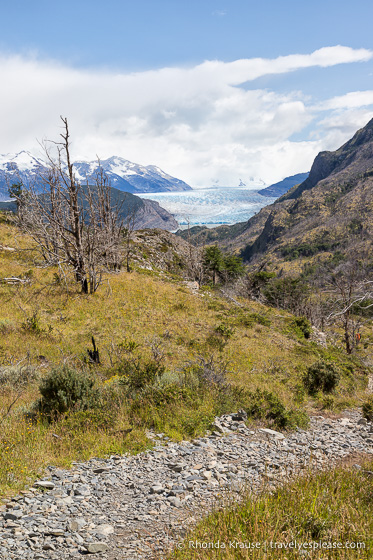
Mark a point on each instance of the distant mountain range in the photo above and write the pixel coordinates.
(280, 188)
(123, 175)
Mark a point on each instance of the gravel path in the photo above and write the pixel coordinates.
(133, 507)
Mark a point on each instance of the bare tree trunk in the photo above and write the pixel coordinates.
(71, 224)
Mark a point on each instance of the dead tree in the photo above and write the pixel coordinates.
(93, 355)
(71, 223)
(350, 294)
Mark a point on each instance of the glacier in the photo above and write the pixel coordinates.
(211, 206)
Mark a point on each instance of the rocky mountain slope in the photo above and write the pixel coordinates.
(148, 213)
(151, 215)
(123, 175)
(331, 211)
(280, 188)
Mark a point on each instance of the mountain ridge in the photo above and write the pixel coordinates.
(281, 187)
(124, 175)
(147, 213)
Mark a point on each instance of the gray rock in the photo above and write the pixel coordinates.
(47, 484)
(157, 489)
(13, 515)
(271, 433)
(105, 529)
(240, 416)
(95, 547)
(77, 524)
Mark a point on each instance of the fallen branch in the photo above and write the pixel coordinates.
(19, 395)
(14, 280)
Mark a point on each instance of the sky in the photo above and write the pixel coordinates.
(212, 91)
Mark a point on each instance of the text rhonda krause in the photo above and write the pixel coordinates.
(311, 545)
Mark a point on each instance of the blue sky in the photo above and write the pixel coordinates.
(195, 87)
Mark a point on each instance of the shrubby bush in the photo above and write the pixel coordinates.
(302, 327)
(264, 405)
(221, 265)
(250, 319)
(287, 293)
(65, 389)
(136, 373)
(321, 376)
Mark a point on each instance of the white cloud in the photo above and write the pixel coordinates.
(197, 123)
(348, 101)
(340, 125)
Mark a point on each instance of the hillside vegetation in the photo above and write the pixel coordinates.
(170, 359)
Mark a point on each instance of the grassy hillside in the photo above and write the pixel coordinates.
(170, 359)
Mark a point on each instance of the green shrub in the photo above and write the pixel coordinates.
(368, 409)
(197, 423)
(32, 324)
(257, 281)
(260, 319)
(224, 330)
(136, 374)
(216, 342)
(264, 405)
(328, 403)
(286, 293)
(248, 320)
(302, 327)
(321, 376)
(66, 389)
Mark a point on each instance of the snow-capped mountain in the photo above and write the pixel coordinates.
(131, 177)
(123, 175)
(22, 167)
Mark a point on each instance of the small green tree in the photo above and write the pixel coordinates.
(321, 376)
(213, 261)
(225, 266)
(233, 266)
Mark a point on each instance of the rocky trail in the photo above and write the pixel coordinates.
(137, 507)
